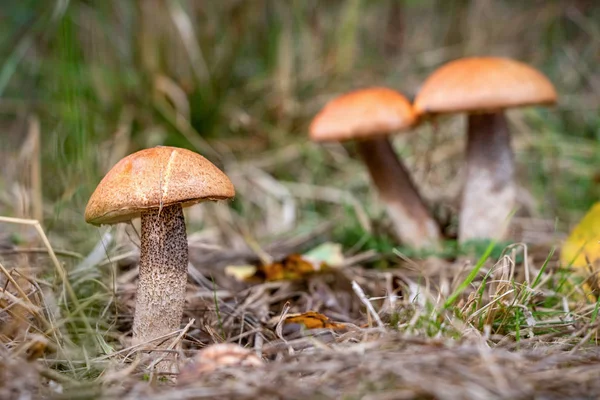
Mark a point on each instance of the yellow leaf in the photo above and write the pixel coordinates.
(583, 242)
(582, 248)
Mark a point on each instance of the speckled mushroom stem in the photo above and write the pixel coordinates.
(490, 191)
(163, 274)
(412, 221)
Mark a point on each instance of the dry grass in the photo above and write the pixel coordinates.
(239, 82)
(512, 330)
(397, 366)
(512, 325)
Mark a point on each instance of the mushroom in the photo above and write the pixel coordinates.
(483, 87)
(218, 356)
(155, 184)
(368, 116)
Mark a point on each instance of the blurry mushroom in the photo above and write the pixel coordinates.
(156, 184)
(484, 87)
(217, 356)
(369, 116)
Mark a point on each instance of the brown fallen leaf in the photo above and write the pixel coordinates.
(308, 320)
(36, 347)
(293, 267)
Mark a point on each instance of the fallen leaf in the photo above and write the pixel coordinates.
(240, 272)
(36, 347)
(292, 267)
(308, 320)
(582, 248)
(329, 253)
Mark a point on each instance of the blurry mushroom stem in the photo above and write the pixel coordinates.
(490, 191)
(409, 214)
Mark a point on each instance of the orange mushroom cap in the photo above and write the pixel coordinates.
(152, 178)
(362, 114)
(483, 84)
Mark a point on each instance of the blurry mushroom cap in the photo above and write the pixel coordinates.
(479, 84)
(155, 177)
(362, 114)
(218, 356)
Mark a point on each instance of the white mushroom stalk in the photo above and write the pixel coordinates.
(490, 190)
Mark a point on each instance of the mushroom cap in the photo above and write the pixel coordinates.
(362, 114)
(479, 84)
(155, 177)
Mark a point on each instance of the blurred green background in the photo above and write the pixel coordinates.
(238, 81)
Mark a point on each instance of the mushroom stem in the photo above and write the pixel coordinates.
(490, 191)
(412, 221)
(163, 273)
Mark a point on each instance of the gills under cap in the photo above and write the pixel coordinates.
(483, 84)
(362, 114)
(155, 177)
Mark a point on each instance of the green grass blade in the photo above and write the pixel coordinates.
(538, 278)
(464, 284)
